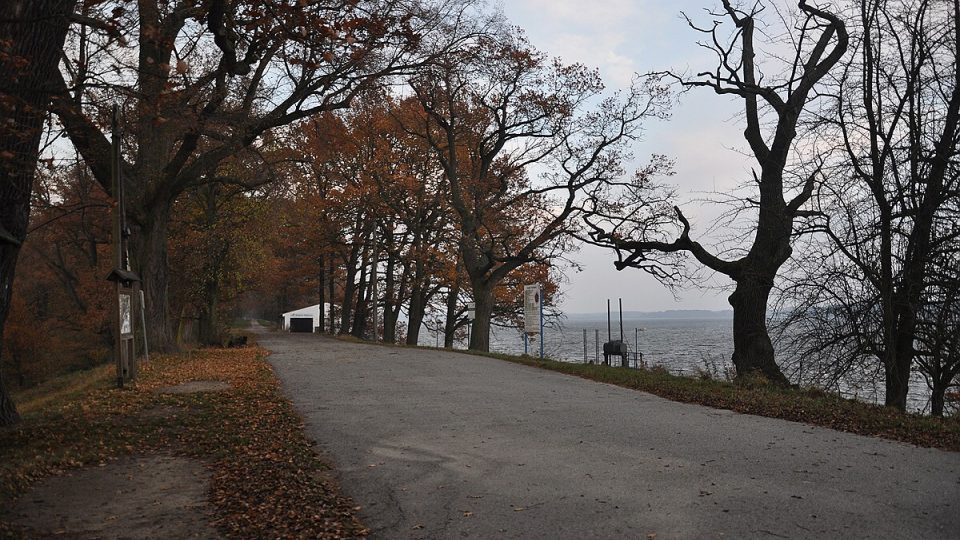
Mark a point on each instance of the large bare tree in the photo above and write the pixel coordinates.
(772, 110)
(882, 287)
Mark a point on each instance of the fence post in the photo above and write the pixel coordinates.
(584, 345)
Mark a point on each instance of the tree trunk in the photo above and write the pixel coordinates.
(330, 291)
(752, 348)
(322, 292)
(480, 332)
(896, 367)
(416, 314)
(349, 287)
(362, 310)
(150, 250)
(8, 411)
(8, 259)
(450, 324)
(389, 292)
(396, 308)
(35, 30)
(208, 315)
(937, 395)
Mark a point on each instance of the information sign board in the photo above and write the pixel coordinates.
(531, 308)
(126, 314)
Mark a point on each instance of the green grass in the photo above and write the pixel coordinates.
(755, 396)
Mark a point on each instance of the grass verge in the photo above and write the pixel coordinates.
(755, 397)
(267, 480)
(57, 391)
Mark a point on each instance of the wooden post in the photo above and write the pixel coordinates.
(584, 345)
(373, 286)
(127, 282)
(117, 257)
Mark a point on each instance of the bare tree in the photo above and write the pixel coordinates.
(885, 237)
(821, 42)
(938, 331)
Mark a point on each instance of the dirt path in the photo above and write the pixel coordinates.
(154, 496)
(443, 445)
(143, 497)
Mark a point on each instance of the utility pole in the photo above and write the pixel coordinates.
(541, 321)
(127, 282)
(373, 285)
(621, 318)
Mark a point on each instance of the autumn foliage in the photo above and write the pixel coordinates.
(267, 480)
(60, 315)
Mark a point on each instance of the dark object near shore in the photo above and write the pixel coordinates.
(615, 348)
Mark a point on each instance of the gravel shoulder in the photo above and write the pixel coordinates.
(439, 445)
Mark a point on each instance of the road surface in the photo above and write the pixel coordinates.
(444, 445)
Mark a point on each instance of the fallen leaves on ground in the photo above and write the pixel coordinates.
(267, 480)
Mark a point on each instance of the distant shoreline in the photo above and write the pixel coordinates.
(660, 315)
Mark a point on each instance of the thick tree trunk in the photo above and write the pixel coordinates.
(361, 311)
(752, 348)
(35, 31)
(896, 366)
(416, 314)
(391, 317)
(13, 217)
(209, 322)
(938, 393)
(480, 332)
(149, 245)
(450, 323)
(8, 411)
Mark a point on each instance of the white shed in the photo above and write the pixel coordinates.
(304, 319)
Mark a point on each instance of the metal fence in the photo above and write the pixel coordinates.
(632, 359)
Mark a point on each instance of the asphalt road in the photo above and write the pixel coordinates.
(445, 445)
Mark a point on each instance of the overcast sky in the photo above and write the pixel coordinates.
(623, 37)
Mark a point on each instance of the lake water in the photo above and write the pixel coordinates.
(681, 346)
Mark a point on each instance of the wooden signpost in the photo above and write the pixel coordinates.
(127, 282)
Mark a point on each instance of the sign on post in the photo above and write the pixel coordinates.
(126, 315)
(471, 311)
(531, 308)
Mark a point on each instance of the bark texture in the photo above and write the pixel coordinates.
(32, 33)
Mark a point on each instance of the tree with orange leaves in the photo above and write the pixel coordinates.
(271, 63)
(522, 153)
(60, 314)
